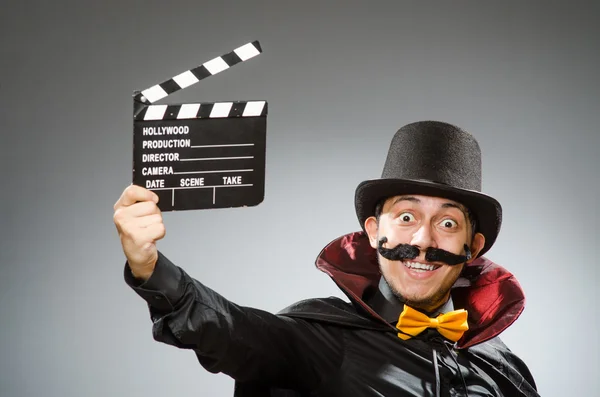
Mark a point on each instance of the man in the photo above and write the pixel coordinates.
(425, 307)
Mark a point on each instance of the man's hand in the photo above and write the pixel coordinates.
(139, 223)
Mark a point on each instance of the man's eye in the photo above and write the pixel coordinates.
(406, 217)
(449, 223)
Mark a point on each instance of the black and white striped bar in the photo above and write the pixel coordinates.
(203, 110)
(210, 68)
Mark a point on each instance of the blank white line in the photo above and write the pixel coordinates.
(200, 187)
(214, 191)
(173, 197)
(210, 172)
(232, 145)
(219, 158)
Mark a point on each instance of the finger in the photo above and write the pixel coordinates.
(155, 231)
(126, 215)
(141, 209)
(134, 193)
(145, 221)
(137, 238)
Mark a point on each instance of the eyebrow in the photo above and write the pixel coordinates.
(406, 198)
(452, 205)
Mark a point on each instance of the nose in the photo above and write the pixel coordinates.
(423, 238)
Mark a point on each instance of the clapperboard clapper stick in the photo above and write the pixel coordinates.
(200, 155)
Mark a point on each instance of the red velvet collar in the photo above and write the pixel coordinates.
(492, 296)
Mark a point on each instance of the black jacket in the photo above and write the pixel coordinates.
(328, 347)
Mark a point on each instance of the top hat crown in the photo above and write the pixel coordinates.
(433, 158)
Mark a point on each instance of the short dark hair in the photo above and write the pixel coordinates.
(468, 213)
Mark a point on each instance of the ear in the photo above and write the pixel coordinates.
(476, 246)
(371, 227)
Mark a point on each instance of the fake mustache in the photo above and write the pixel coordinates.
(406, 251)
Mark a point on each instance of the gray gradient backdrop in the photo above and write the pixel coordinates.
(340, 78)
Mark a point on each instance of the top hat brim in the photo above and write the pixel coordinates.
(486, 209)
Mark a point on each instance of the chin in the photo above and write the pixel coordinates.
(425, 304)
(425, 300)
(419, 300)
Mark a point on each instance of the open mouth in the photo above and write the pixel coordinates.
(420, 267)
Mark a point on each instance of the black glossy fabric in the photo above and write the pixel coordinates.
(319, 347)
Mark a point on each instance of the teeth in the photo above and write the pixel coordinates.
(419, 266)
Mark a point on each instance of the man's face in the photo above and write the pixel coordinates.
(424, 222)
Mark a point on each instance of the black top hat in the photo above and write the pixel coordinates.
(437, 159)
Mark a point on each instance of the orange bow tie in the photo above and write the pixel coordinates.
(451, 325)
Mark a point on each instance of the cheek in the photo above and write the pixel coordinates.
(393, 272)
(387, 266)
(454, 245)
(452, 272)
(450, 275)
(395, 235)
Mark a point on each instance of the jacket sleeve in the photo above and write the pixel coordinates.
(245, 343)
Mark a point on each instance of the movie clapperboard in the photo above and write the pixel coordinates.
(200, 155)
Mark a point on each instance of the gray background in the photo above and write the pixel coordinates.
(340, 78)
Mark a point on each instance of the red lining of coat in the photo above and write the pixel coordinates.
(494, 299)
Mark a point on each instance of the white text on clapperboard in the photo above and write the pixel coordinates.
(171, 157)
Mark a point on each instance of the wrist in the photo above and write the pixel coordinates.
(142, 272)
(142, 275)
